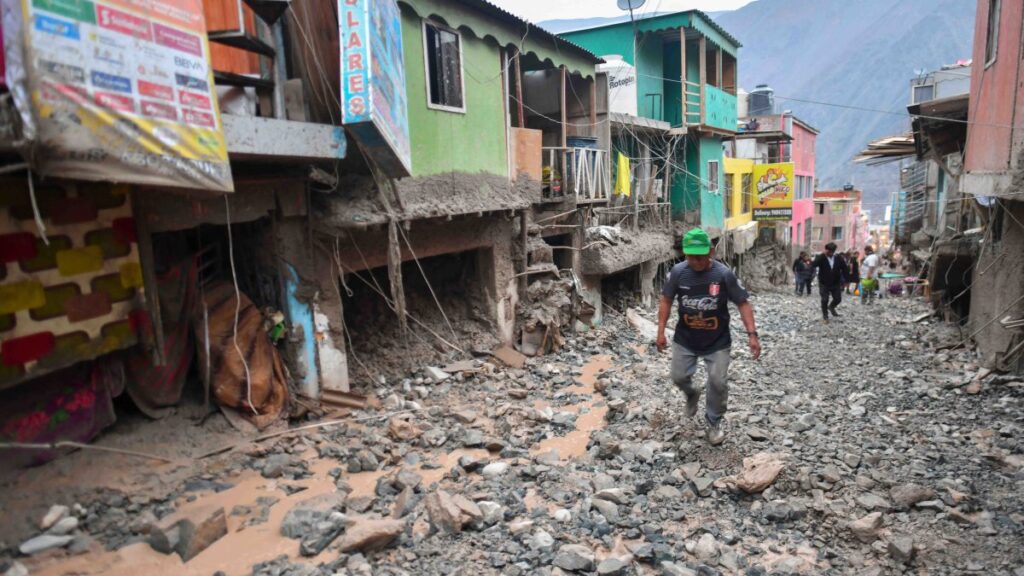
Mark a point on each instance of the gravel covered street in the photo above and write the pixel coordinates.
(857, 447)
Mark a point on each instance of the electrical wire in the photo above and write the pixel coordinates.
(238, 305)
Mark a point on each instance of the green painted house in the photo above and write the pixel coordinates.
(698, 99)
(461, 82)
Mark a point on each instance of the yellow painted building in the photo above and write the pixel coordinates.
(737, 199)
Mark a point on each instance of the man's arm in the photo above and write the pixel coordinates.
(747, 316)
(664, 311)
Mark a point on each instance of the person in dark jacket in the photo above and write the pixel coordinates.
(853, 264)
(832, 274)
(803, 273)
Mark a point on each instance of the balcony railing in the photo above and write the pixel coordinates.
(716, 110)
(582, 174)
(648, 216)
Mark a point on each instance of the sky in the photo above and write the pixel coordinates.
(538, 10)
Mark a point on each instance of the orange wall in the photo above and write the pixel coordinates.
(994, 93)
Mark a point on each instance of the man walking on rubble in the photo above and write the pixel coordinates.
(832, 274)
(703, 287)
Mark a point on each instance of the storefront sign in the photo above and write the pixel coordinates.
(773, 191)
(374, 106)
(117, 90)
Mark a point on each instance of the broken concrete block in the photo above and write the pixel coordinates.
(43, 543)
(53, 515)
(436, 374)
(190, 534)
(368, 534)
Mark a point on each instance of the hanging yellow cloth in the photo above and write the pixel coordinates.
(622, 176)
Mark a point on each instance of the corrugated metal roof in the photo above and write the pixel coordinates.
(499, 12)
(714, 25)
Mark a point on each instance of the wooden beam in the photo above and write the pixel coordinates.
(563, 75)
(682, 73)
(702, 50)
(593, 106)
(718, 67)
(519, 90)
(150, 286)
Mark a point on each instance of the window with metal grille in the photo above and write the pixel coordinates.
(712, 175)
(442, 50)
(837, 232)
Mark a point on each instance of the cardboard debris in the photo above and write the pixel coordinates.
(509, 356)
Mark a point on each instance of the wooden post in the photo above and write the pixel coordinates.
(395, 275)
(718, 67)
(524, 217)
(564, 129)
(682, 71)
(519, 90)
(593, 106)
(702, 50)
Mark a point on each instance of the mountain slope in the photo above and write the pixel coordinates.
(856, 53)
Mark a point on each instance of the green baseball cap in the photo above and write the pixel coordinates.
(696, 243)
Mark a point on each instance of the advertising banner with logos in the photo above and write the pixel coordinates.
(373, 100)
(117, 90)
(773, 191)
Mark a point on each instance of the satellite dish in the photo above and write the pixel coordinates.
(630, 4)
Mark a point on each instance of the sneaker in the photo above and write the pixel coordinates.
(716, 433)
(824, 320)
(834, 313)
(692, 403)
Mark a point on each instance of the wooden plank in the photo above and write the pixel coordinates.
(519, 90)
(718, 67)
(593, 106)
(150, 285)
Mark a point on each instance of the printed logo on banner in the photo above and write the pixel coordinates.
(198, 118)
(111, 82)
(190, 64)
(166, 136)
(69, 74)
(80, 10)
(108, 56)
(191, 82)
(159, 110)
(154, 71)
(114, 102)
(57, 27)
(124, 23)
(61, 93)
(172, 38)
(194, 100)
(156, 90)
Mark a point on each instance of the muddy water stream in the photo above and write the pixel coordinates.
(574, 444)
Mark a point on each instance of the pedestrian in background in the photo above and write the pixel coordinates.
(832, 273)
(870, 283)
(703, 288)
(854, 266)
(803, 274)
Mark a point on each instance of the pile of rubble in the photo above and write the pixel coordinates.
(898, 456)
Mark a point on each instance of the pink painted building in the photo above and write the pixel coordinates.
(804, 139)
(837, 218)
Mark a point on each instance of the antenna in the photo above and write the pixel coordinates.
(630, 4)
